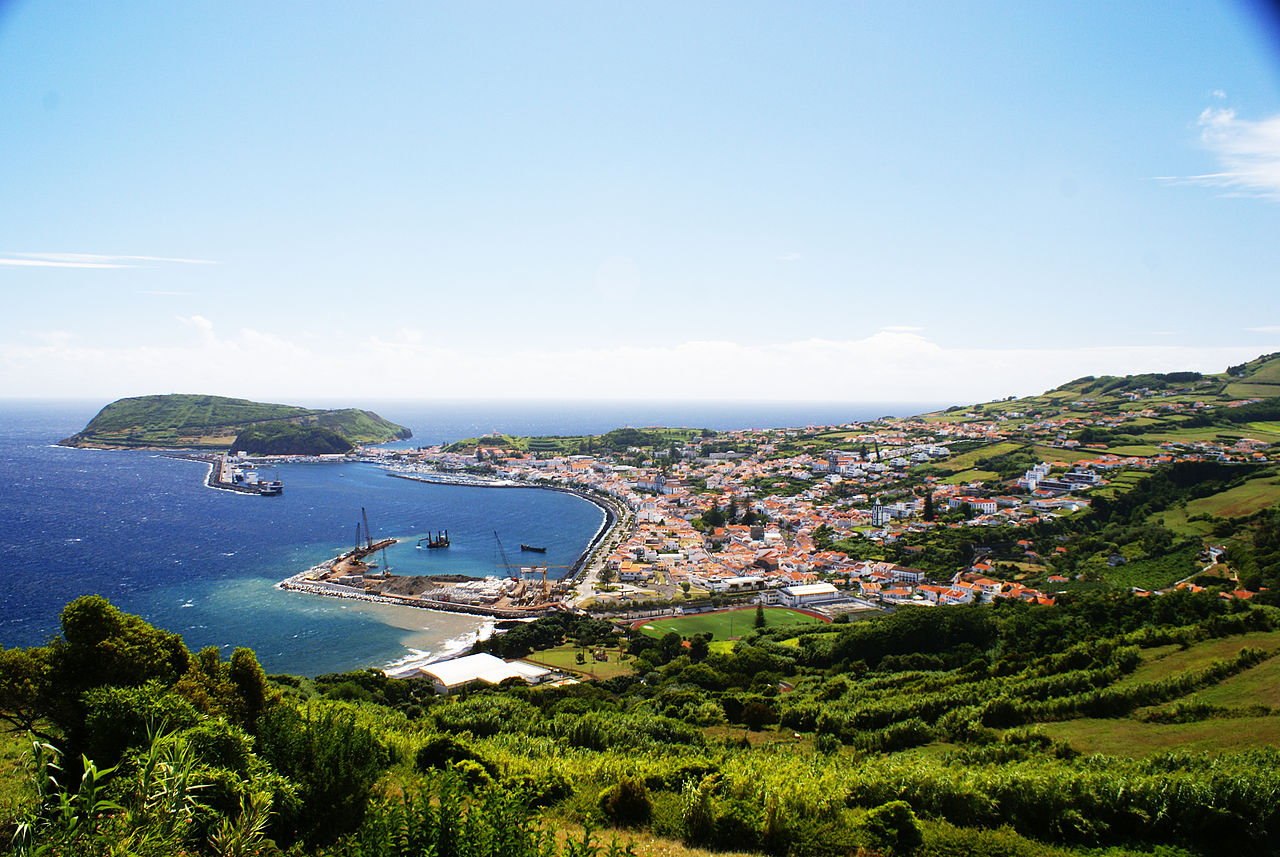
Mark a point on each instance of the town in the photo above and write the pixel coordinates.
(857, 516)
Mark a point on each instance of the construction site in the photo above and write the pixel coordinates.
(514, 591)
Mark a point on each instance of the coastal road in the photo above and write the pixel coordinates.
(621, 530)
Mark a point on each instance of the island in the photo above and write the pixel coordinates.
(186, 421)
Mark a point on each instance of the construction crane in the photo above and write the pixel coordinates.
(506, 563)
(368, 535)
(540, 570)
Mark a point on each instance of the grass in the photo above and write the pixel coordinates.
(1053, 453)
(1257, 686)
(1135, 450)
(565, 658)
(1165, 661)
(1271, 427)
(1132, 738)
(966, 460)
(968, 476)
(15, 792)
(1236, 502)
(1176, 520)
(727, 624)
(1251, 390)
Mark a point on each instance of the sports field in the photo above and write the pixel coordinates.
(727, 624)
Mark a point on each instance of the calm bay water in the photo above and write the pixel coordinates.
(144, 531)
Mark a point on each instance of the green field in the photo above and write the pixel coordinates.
(1251, 389)
(1242, 500)
(1134, 738)
(565, 658)
(966, 460)
(968, 476)
(1165, 661)
(1053, 453)
(727, 624)
(1138, 449)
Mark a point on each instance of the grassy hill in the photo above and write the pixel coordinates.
(213, 422)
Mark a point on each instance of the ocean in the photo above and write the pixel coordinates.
(144, 531)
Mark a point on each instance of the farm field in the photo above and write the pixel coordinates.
(1251, 389)
(1053, 453)
(967, 476)
(1137, 450)
(1239, 501)
(1165, 661)
(728, 623)
(1136, 739)
(1257, 686)
(966, 460)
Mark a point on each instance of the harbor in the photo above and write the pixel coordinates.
(516, 591)
(238, 476)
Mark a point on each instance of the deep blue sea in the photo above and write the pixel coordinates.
(144, 530)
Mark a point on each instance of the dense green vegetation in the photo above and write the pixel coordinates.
(182, 420)
(928, 732)
(289, 439)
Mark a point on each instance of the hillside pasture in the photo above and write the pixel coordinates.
(968, 476)
(967, 460)
(1053, 453)
(1251, 389)
(1166, 661)
(727, 624)
(1239, 501)
(1257, 686)
(1135, 739)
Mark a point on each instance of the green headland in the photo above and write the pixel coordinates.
(185, 421)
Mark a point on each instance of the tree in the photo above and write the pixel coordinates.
(335, 763)
(928, 506)
(760, 620)
(699, 647)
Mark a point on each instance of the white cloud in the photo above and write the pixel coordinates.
(1248, 153)
(89, 260)
(790, 257)
(1266, 328)
(892, 365)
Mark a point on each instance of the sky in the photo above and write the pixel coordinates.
(850, 201)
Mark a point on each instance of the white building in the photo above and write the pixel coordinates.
(811, 593)
(454, 674)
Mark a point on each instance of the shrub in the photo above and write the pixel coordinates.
(626, 803)
(893, 827)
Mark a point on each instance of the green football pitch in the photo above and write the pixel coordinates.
(727, 624)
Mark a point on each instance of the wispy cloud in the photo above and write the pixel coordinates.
(902, 328)
(1266, 328)
(1247, 151)
(886, 366)
(91, 260)
(790, 257)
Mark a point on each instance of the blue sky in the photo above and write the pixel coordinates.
(817, 201)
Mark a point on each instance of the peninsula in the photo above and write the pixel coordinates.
(185, 421)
